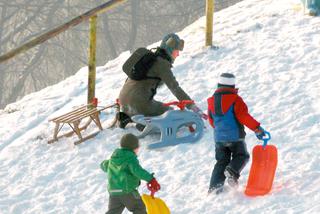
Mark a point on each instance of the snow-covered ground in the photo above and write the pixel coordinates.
(274, 52)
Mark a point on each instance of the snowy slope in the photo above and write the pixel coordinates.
(274, 52)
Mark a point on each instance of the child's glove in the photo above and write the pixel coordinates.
(260, 132)
(153, 185)
(198, 111)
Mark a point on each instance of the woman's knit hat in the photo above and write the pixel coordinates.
(172, 42)
(129, 141)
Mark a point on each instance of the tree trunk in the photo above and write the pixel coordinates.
(135, 5)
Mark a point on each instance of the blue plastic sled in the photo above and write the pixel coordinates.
(169, 123)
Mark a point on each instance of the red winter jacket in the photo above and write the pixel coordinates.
(240, 108)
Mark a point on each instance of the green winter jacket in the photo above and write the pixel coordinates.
(124, 172)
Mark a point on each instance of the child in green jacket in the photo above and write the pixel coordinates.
(124, 176)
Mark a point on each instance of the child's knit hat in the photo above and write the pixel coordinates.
(227, 80)
(129, 141)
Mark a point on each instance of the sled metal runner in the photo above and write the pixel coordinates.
(263, 168)
(74, 118)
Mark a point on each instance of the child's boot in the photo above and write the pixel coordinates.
(232, 177)
(216, 189)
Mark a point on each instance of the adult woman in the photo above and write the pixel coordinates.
(137, 97)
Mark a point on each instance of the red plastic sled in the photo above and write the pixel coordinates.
(263, 169)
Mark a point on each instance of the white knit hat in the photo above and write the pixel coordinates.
(227, 79)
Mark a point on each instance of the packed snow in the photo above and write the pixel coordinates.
(272, 48)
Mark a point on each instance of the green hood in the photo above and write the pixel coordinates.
(121, 157)
(124, 172)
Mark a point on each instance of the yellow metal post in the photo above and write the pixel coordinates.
(209, 21)
(92, 59)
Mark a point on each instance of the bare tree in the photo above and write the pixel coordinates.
(134, 24)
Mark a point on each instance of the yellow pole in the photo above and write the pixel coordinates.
(92, 59)
(209, 21)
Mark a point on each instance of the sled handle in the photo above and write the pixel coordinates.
(152, 192)
(181, 104)
(266, 139)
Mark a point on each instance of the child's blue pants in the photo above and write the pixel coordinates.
(231, 154)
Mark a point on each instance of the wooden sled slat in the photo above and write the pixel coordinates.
(74, 118)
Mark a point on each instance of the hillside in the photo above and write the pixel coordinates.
(274, 52)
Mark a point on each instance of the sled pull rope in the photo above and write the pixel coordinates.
(266, 139)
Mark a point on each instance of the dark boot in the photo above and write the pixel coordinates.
(123, 119)
(216, 189)
(232, 177)
(240, 157)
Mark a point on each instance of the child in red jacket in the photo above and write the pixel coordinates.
(227, 115)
